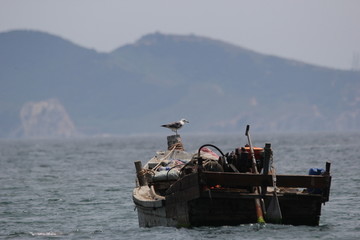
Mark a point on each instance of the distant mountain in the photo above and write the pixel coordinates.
(162, 78)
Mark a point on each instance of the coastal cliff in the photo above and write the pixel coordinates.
(46, 119)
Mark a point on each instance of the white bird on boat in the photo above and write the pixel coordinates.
(175, 125)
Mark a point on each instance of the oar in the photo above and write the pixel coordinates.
(258, 208)
(273, 213)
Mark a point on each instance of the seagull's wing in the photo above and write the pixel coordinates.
(174, 125)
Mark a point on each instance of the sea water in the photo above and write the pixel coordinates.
(81, 188)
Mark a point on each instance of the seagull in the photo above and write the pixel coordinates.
(175, 125)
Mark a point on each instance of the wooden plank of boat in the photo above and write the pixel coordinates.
(231, 179)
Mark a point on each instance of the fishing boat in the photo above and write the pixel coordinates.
(210, 188)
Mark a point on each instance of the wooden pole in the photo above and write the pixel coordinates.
(326, 191)
(258, 208)
(267, 156)
(139, 173)
(327, 167)
(175, 141)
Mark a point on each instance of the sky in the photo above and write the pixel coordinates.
(321, 32)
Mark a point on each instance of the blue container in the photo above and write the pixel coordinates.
(164, 169)
(316, 171)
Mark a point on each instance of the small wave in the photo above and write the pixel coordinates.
(50, 176)
(44, 165)
(16, 234)
(46, 234)
(114, 189)
(87, 200)
(98, 231)
(55, 200)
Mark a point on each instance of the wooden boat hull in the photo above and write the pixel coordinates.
(205, 211)
(217, 199)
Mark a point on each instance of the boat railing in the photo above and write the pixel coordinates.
(241, 180)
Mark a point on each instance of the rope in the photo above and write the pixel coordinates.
(167, 155)
(144, 171)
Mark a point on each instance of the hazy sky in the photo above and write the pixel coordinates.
(323, 32)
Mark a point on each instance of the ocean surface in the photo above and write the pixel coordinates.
(81, 188)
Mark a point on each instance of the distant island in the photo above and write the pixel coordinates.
(218, 87)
